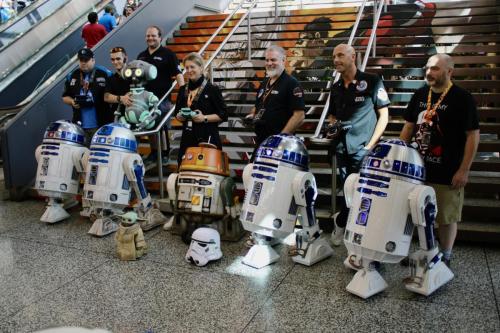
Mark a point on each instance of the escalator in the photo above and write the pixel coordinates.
(38, 42)
(22, 134)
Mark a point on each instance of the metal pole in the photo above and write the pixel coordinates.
(276, 8)
(211, 71)
(333, 199)
(160, 166)
(249, 36)
(375, 22)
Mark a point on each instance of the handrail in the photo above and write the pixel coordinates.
(167, 117)
(373, 33)
(337, 75)
(7, 24)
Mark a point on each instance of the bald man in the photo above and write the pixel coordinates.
(444, 120)
(360, 98)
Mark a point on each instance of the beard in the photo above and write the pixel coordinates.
(274, 71)
(436, 81)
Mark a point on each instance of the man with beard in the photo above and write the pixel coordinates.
(445, 122)
(84, 92)
(357, 97)
(279, 107)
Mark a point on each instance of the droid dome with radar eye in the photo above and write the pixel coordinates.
(59, 168)
(387, 199)
(204, 247)
(203, 193)
(280, 190)
(114, 175)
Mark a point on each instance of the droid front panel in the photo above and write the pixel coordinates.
(199, 193)
(379, 224)
(56, 174)
(269, 207)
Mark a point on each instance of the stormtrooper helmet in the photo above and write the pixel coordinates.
(204, 247)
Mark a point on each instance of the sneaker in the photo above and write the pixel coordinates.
(337, 236)
(446, 262)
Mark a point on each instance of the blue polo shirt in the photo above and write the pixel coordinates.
(108, 21)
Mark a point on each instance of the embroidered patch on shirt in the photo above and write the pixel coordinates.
(359, 99)
(382, 94)
(297, 91)
(362, 85)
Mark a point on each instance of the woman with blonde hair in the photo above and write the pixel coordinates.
(205, 99)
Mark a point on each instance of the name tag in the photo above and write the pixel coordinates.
(158, 58)
(275, 92)
(100, 79)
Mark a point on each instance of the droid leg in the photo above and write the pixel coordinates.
(261, 254)
(172, 196)
(427, 271)
(105, 224)
(367, 281)
(86, 208)
(310, 246)
(54, 212)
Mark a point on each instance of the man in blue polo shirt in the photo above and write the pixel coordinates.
(108, 20)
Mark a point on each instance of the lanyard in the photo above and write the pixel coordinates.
(85, 85)
(269, 88)
(193, 96)
(429, 113)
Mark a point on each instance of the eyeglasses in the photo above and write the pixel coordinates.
(117, 49)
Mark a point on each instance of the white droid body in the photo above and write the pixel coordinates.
(114, 180)
(386, 200)
(279, 190)
(203, 193)
(59, 167)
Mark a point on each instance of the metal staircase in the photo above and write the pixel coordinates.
(406, 36)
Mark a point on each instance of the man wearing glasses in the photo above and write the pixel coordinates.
(167, 64)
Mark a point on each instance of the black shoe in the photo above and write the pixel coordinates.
(447, 262)
(405, 262)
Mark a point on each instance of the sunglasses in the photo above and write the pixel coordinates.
(117, 49)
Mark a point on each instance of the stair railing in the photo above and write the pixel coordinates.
(157, 130)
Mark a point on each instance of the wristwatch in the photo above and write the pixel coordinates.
(206, 120)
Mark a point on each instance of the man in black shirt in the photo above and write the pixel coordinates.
(279, 107)
(357, 97)
(117, 88)
(84, 92)
(445, 122)
(168, 68)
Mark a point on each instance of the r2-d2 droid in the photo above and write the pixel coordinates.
(115, 179)
(59, 160)
(203, 193)
(279, 189)
(386, 200)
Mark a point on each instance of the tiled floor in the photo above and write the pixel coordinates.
(57, 275)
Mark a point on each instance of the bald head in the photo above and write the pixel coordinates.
(343, 59)
(438, 71)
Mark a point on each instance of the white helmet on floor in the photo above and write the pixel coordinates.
(204, 247)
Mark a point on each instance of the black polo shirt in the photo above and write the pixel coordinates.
(276, 104)
(358, 103)
(168, 67)
(73, 86)
(118, 86)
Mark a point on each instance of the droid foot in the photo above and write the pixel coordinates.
(54, 213)
(169, 224)
(103, 226)
(315, 252)
(153, 218)
(366, 283)
(260, 256)
(427, 275)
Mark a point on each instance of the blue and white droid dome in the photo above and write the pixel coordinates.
(286, 149)
(397, 159)
(64, 131)
(114, 136)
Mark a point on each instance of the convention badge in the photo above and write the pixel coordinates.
(382, 94)
(362, 85)
(297, 92)
(72, 83)
(259, 114)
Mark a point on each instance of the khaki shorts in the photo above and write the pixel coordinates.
(449, 203)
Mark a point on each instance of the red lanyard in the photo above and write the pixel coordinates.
(430, 112)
